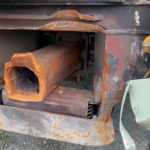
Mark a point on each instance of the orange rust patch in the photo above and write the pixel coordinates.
(3, 125)
(107, 119)
(104, 130)
(99, 131)
(105, 76)
(104, 127)
(86, 134)
(1, 122)
(63, 135)
(105, 139)
(72, 26)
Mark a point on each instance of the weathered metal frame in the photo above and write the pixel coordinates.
(108, 16)
(87, 132)
(120, 60)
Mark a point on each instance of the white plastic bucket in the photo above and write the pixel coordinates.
(139, 91)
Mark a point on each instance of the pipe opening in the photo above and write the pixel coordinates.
(26, 80)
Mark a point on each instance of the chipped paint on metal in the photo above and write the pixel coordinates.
(113, 81)
(117, 48)
(72, 15)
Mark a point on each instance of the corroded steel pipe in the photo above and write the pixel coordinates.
(32, 76)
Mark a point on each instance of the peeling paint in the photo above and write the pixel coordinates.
(105, 76)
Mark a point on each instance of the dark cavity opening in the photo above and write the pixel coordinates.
(26, 80)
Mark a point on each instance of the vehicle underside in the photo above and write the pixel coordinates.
(65, 64)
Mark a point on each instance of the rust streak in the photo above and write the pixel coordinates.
(105, 76)
(1, 122)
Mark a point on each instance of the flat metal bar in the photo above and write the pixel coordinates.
(63, 100)
(95, 132)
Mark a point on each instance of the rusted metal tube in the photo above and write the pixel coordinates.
(32, 76)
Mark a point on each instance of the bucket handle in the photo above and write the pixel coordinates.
(147, 73)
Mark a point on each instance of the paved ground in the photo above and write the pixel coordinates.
(9, 141)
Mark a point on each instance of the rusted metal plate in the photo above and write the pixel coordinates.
(118, 59)
(32, 76)
(95, 132)
(74, 26)
(63, 100)
(61, 20)
(109, 17)
(123, 60)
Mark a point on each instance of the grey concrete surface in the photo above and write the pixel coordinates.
(11, 141)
